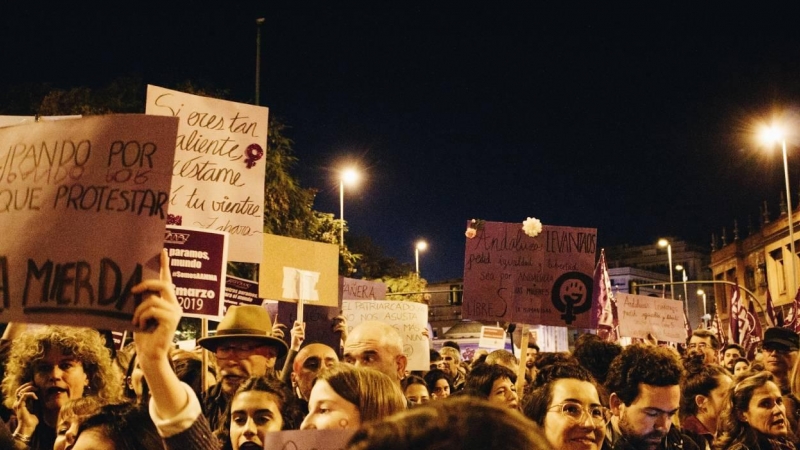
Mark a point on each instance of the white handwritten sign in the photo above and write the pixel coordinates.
(219, 167)
(83, 208)
(354, 289)
(640, 315)
(408, 318)
(308, 439)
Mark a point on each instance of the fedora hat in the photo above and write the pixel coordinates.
(245, 321)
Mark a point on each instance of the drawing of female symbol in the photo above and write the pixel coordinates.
(572, 295)
(254, 152)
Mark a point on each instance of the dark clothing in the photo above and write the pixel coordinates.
(215, 405)
(765, 443)
(675, 440)
(196, 437)
(692, 427)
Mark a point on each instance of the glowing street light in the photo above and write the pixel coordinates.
(420, 247)
(706, 317)
(665, 243)
(680, 268)
(348, 176)
(770, 135)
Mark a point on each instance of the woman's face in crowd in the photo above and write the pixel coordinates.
(66, 430)
(58, 378)
(766, 412)
(93, 439)
(740, 367)
(565, 432)
(441, 389)
(417, 394)
(253, 414)
(327, 410)
(504, 393)
(716, 399)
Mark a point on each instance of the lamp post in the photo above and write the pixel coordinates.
(420, 246)
(705, 310)
(685, 279)
(259, 22)
(348, 176)
(665, 243)
(774, 134)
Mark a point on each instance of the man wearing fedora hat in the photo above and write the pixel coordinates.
(244, 347)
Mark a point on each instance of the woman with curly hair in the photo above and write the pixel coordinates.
(754, 416)
(48, 366)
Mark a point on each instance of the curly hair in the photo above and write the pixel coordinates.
(730, 429)
(435, 375)
(463, 422)
(536, 404)
(700, 379)
(595, 354)
(83, 344)
(645, 364)
(481, 379)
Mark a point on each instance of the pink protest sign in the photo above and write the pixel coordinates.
(512, 277)
(83, 207)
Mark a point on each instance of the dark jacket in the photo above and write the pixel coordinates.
(675, 440)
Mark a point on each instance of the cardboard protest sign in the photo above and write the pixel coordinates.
(641, 314)
(198, 262)
(354, 289)
(308, 439)
(492, 338)
(295, 269)
(408, 318)
(7, 121)
(83, 206)
(219, 166)
(512, 277)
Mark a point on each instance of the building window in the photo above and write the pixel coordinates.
(456, 294)
(776, 261)
(750, 278)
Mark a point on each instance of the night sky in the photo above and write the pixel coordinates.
(632, 118)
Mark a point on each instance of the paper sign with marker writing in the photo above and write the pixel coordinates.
(308, 439)
(219, 166)
(293, 269)
(543, 280)
(83, 207)
(354, 289)
(198, 261)
(661, 317)
(492, 338)
(408, 318)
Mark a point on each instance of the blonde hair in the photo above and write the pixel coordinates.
(374, 394)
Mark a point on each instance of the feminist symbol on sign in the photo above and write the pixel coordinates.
(254, 152)
(572, 295)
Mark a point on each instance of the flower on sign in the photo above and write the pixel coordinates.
(532, 226)
(472, 228)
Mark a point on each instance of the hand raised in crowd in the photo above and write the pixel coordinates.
(156, 318)
(26, 419)
(298, 333)
(340, 326)
(277, 328)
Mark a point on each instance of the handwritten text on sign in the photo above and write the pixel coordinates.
(408, 318)
(353, 289)
(640, 315)
(83, 204)
(513, 277)
(219, 166)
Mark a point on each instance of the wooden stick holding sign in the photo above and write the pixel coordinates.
(523, 351)
(299, 283)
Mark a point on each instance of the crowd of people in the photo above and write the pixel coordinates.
(63, 388)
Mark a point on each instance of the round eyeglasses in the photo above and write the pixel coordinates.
(599, 415)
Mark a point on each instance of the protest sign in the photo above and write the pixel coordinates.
(512, 277)
(308, 439)
(294, 269)
(492, 338)
(83, 206)
(7, 121)
(354, 289)
(319, 323)
(219, 166)
(408, 318)
(641, 314)
(198, 262)
(240, 291)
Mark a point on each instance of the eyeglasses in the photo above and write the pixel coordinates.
(240, 351)
(600, 415)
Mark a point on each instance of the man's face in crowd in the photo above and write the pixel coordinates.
(367, 348)
(240, 359)
(451, 363)
(530, 357)
(731, 355)
(646, 421)
(307, 363)
(702, 345)
(778, 359)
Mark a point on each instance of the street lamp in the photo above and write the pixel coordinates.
(421, 246)
(680, 268)
(665, 243)
(259, 22)
(348, 177)
(705, 310)
(771, 135)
